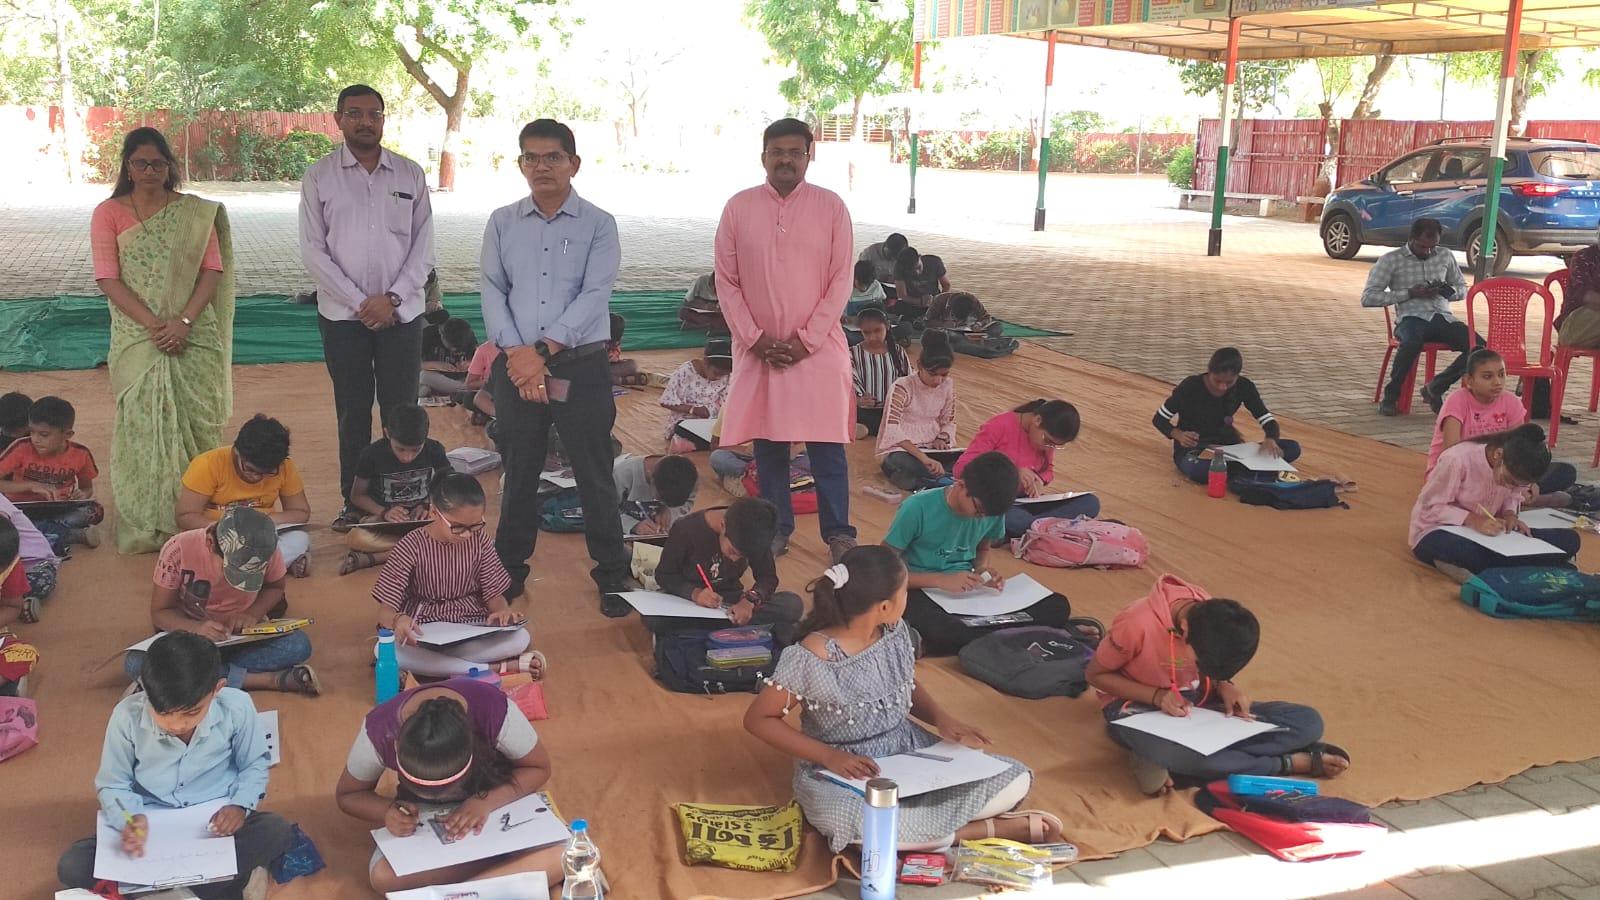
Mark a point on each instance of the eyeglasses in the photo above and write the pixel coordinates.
(251, 471)
(792, 155)
(460, 530)
(532, 160)
(147, 165)
(356, 115)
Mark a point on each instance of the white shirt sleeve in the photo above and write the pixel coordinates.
(363, 763)
(517, 737)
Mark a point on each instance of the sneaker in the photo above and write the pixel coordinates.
(1388, 408)
(256, 887)
(839, 545)
(346, 518)
(780, 544)
(1435, 401)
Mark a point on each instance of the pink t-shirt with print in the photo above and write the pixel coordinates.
(1502, 413)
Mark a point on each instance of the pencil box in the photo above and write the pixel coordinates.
(1264, 785)
(727, 638)
(735, 657)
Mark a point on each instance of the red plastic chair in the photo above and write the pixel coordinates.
(1430, 353)
(1564, 358)
(1507, 302)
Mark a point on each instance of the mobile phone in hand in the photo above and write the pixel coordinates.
(557, 389)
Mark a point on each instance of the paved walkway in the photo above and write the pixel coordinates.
(1127, 275)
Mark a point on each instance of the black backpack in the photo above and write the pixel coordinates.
(681, 666)
(1035, 661)
(1319, 493)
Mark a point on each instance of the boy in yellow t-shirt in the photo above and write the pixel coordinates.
(256, 472)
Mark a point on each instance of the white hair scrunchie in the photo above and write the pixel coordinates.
(838, 575)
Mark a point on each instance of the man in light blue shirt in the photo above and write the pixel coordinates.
(185, 740)
(549, 261)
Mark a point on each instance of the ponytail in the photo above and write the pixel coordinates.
(438, 741)
(936, 351)
(1523, 451)
(865, 577)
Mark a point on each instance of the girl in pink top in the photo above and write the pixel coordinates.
(1483, 406)
(1480, 483)
(1030, 436)
(920, 416)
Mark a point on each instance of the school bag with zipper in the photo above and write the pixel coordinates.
(1534, 592)
(1081, 542)
(1287, 493)
(802, 487)
(1326, 828)
(681, 666)
(561, 512)
(1035, 661)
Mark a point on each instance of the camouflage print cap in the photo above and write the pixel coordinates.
(248, 539)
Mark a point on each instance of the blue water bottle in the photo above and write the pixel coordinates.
(387, 672)
(880, 835)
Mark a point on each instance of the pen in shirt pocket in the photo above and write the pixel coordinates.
(564, 243)
(401, 194)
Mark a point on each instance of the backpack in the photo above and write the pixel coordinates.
(1337, 831)
(562, 512)
(681, 666)
(1534, 592)
(1319, 493)
(1073, 543)
(802, 487)
(1035, 661)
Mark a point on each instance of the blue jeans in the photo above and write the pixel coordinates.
(1019, 517)
(271, 655)
(1442, 546)
(1198, 470)
(729, 463)
(1260, 755)
(1412, 332)
(829, 468)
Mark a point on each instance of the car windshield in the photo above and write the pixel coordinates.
(1569, 163)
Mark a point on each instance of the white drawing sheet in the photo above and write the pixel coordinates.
(1204, 731)
(1548, 518)
(520, 825)
(700, 428)
(656, 603)
(440, 634)
(915, 775)
(144, 645)
(1509, 543)
(1020, 592)
(1251, 457)
(179, 849)
(1052, 498)
(521, 886)
(559, 478)
(267, 720)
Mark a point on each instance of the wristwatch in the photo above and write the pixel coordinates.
(541, 348)
(394, 299)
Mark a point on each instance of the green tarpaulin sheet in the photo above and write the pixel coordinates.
(74, 332)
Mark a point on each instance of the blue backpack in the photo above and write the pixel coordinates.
(1534, 592)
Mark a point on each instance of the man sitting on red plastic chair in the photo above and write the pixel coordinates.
(1578, 325)
(1420, 280)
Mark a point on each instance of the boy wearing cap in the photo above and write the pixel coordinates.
(216, 580)
(697, 390)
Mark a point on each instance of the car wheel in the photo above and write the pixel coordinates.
(1339, 238)
(1502, 251)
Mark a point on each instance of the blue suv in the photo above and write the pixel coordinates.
(1549, 200)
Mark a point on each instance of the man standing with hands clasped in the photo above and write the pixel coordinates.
(784, 264)
(366, 236)
(548, 263)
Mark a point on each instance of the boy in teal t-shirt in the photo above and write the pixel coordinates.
(945, 538)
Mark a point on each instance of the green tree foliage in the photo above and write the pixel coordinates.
(1078, 121)
(1254, 88)
(1536, 70)
(842, 52)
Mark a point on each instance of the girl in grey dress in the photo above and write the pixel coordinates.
(852, 682)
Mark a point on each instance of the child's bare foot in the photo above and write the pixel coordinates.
(1153, 780)
(1320, 761)
(532, 663)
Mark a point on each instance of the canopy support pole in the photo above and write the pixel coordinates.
(911, 124)
(1225, 144)
(1044, 128)
(1502, 125)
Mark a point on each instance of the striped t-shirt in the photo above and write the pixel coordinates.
(875, 373)
(432, 581)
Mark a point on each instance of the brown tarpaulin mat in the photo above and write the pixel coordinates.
(1427, 695)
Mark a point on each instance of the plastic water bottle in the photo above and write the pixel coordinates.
(1217, 476)
(387, 673)
(485, 675)
(880, 831)
(581, 863)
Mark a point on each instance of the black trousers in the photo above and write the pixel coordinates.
(584, 424)
(944, 634)
(364, 364)
(261, 839)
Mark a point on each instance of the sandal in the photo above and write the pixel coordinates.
(356, 560)
(1321, 749)
(1036, 822)
(299, 680)
(524, 664)
(30, 610)
(301, 568)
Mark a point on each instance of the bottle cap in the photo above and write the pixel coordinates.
(580, 825)
(882, 793)
(384, 633)
(474, 672)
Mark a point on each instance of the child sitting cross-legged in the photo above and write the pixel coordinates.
(50, 465)
(36, 572)
(877, 362)
(1178, 649)
(718, 545)
(920, 415)
(186, 739)
(696, 390)
(1204, 406)
(1483, 406)
(853, 682)
(448, 571)
(1030, 435)
(865, 289)
(946, 537)
(392, 479)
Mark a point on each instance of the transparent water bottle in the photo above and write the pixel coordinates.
(581, 863)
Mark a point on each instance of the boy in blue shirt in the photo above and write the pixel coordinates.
(186, 739)
(945, 538)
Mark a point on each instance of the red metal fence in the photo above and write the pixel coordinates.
(1365, 145)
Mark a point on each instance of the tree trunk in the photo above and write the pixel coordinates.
(1369, 91)
(454, 108)
(856, 135)
(1520, 88)
(71, 127)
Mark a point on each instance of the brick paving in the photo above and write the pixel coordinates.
(1126, 274)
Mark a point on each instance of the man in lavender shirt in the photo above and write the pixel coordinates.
(366, 236)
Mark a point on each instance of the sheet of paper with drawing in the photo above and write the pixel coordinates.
(144, 645)
(521, 886)
(1510, 543)
(1548, 518)
(1053, 498)
(1251, 457)
(943, 765)
(1204, 731)
(1020, 592)
(700, 428)
(180, 849)
(439, 634)
(656, 603)
(521, 825)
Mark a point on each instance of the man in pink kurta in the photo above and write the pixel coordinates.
(784, 258)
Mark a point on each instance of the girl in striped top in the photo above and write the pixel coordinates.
(448, 571)
(878, 362)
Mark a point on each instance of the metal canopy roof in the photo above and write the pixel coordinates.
(1271, 29)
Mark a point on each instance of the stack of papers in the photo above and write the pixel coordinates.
(1205, 731)
(700, 428)
(179, 850)
(1020, 592)
(440, 634)
(520, 825)
(473, 460)
(943, 765)
(1251, 457)
(656, 603)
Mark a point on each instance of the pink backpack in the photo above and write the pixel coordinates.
(1072, 543)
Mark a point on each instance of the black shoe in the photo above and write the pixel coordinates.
(613, 607)
(1435, 401)
(1388, 408)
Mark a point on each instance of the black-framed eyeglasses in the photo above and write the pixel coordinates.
(245, 468)
(148, 165)
(552, 159)
(460, 530)
(356, 115)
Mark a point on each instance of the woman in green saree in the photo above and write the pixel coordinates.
(165, 261)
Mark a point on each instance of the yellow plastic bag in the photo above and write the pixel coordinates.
(753, 838)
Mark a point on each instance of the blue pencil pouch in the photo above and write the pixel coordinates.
(747, 636)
